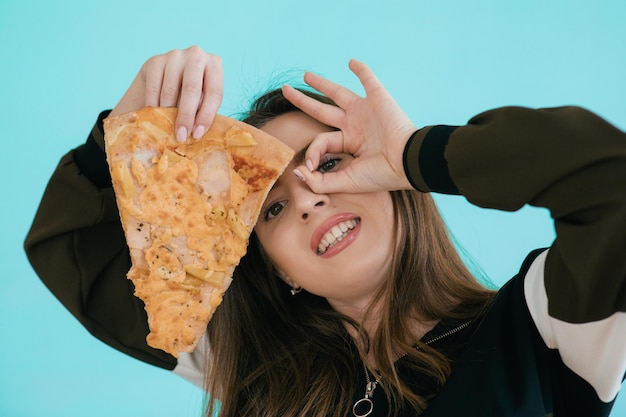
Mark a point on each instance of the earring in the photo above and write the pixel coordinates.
(295, 290)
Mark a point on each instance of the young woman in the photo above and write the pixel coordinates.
(351, 299)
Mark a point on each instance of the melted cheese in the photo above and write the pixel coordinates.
(187, 211)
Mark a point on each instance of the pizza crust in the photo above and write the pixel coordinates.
(187, 210)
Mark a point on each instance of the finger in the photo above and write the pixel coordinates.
(212, 94)
(366, 76)
(329, 142)
(330, 182)
(153, 78)
(325, 113)
(342, 96)
(327, 183)
(190, 97)
(172, 79)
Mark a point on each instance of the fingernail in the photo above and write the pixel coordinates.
(198, 132)
(309, 165)
(181, 134)
(298, 174)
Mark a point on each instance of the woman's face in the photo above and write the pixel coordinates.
(338, 246)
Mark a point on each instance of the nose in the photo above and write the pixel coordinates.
(307, 202)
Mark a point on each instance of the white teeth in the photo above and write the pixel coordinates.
(336, 234)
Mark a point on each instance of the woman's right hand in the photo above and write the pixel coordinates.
(189, 79)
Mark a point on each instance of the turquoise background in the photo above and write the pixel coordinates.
(61, 62)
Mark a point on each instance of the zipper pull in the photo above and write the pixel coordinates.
(365, 406)
(369, 389)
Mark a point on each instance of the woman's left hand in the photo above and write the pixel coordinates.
(374, 129)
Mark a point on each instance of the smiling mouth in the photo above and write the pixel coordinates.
(336, 234)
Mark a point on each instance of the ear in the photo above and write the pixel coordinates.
(282, 275)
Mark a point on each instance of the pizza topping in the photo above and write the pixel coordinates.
(255, 174)
(214, 175)
(138, 235)
(238, 137)
(215, 278)
(120, 170)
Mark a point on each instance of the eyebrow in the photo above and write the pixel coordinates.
(298, 158)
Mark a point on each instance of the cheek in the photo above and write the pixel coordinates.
(275, 242)
(381, 209)
(382, 215)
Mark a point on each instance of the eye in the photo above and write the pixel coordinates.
(274, 210)
(328, 163)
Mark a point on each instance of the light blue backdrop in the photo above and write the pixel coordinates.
(62, 61)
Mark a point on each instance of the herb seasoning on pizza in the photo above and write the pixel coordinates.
(187, 210)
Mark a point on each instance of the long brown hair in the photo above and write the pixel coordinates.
(273, 354)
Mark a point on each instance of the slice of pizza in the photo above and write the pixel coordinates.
(187, 210)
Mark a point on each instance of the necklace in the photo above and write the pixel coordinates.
(366, 403)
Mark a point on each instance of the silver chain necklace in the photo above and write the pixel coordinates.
(370, 385)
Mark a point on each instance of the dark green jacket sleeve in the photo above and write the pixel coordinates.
(76, 245)
(565, 159)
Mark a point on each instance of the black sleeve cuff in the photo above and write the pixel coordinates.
(91, 158)
(424, 161)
